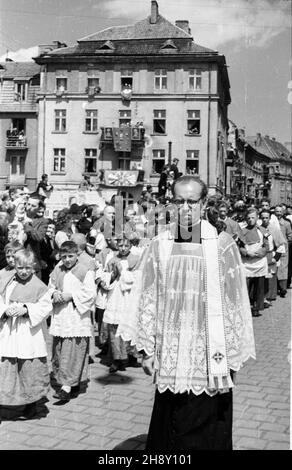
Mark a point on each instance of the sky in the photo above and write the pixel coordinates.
(254, 36)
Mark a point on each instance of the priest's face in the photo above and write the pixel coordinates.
(187, 197)
(69, 259)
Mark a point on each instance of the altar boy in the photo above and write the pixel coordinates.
(73, 293)
(25, 303)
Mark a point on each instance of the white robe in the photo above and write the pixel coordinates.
(73, 318)
(24, 338)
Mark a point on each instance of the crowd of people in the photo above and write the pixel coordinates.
(78, 274)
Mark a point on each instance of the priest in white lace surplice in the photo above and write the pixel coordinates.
(193, 324)
(73, 291)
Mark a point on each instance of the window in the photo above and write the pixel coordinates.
(124, 162)
(17, 166)
(194, 122)
(160, 79)
(126, 79)
(158, 160)
(90, 160)
(36, 80)
(61, 84)
(159, 121)
(92, 84)
(59, 160)
(91, 120)
(60, 120)
(18, 124)
(195, 79)
(125, 118)
(20, 91)
(192, 162)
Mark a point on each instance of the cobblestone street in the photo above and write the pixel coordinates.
(116, 409)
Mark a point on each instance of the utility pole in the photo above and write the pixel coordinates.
(169, 152)
(244, 170)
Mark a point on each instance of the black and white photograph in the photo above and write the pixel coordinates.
(145, 228)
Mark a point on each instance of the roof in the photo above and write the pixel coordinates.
(269, 147)
(21, 70)
(141, 30)
(133, 47)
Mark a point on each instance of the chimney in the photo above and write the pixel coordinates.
(58, 44)
(154, 12)
(183, 24)
(47, 48)
(259, 139)
(274, 139)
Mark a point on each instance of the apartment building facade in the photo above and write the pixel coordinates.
(19, 86)
(124, 101)
(258, 167)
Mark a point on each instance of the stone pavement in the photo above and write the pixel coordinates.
(115, 411)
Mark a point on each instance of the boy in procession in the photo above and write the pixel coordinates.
(25, 303)
(73, 291)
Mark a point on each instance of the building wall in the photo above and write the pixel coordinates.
(143, 77)
(76, 139)
(176, 100)
(12, 109)
(9, 104)
(281, 191)
(30, 154)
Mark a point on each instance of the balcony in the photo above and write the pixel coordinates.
(19, 142)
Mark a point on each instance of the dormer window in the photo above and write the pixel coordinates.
(168, 45)
(20, 91)
(107, 46)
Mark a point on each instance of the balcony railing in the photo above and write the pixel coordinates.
(16, 141)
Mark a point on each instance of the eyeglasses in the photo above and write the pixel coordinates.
(190, 202)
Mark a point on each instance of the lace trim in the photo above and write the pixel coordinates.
(182, 389)
(72, 336)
